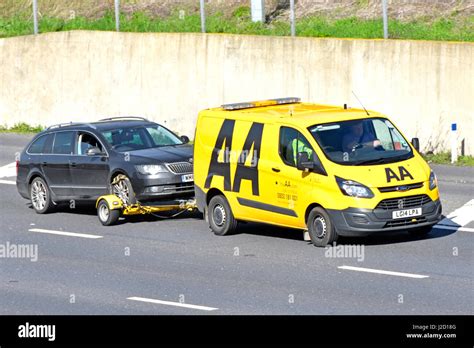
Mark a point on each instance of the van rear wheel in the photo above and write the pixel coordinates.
(320, 228)
(220, 217)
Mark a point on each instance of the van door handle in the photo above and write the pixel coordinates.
(276, 170)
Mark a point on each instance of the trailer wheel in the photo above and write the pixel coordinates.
(106, 215)
(220, 217)
(320, 228)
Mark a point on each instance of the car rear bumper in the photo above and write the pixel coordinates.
(357, 221)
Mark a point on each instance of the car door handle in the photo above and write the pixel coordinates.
(276, 170)
(73, 164)
(45, 164)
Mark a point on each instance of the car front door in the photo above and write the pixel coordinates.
(89, 172)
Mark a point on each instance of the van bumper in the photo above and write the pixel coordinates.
(360, 222)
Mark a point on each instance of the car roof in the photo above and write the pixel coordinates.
(302, 114)
(101, 125)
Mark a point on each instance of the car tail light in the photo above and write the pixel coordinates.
(17, 165)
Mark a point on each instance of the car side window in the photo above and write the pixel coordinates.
(63, 143)
(85, 141)
(38, 145)
(291, 143)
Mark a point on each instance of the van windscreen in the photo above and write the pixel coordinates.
(361, 142)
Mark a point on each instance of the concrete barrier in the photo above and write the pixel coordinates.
(423, 86)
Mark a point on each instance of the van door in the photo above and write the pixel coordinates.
(288, 188)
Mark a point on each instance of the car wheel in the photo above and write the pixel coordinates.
(122, 188)
(320, 228)
(421, 232)
(40, 196)
(106, 215)
(220, 217)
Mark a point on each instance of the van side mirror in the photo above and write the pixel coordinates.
(416, 143)
(303, 163)
(94, 151)
(184, 139)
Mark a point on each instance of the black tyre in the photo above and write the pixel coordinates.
(220, 217)
(40, 196)
(123, 189)
(421, 232)
(320, 228)
(106, 215)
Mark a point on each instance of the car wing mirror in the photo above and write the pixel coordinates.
(94, 151)
(184, 139)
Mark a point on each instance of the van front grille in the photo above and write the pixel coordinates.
(403, 202)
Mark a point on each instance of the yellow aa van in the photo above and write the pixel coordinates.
(326, 169)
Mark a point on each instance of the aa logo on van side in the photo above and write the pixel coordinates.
(216, 168)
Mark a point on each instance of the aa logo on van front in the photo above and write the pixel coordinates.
(392, 175)
(243, 172)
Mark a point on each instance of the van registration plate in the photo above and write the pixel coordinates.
(400, 214)
(187, 177)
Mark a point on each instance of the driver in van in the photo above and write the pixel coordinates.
(357, 136)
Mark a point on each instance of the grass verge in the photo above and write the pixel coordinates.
(240, 23)
(445, 158)
(21, 128)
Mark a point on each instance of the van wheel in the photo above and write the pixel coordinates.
(320, 228)
(40, 196)
(219, 214)
(122, 188)
(106, 215)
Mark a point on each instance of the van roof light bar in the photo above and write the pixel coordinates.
(256, 104)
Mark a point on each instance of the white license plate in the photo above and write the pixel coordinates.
(187, 177)
(400, 214)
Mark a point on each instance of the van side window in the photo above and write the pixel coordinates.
(85, 141)
(38, 145)
(63, 143)
(292, 142)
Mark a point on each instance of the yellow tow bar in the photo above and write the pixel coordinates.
(110, 207)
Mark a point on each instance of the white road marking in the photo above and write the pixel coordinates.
(8, 170)
(169, 303)
(62, 233)
(371, 270)
(8, 182)
(454, 228)
(461, 216)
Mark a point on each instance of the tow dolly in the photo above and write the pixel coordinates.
(111, 207)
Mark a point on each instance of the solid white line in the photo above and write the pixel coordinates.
(454, 228)
(168, 303)
(62, 233)
(461, 216)
(371, 270)
(8, 170)
(8, 182)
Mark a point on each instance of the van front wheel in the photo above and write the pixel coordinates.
(220, 217)
(320, 228)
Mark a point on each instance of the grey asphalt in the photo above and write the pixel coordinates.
(261, 270)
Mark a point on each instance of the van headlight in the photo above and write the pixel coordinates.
(353, 188)
(150, 169)
(433, 181)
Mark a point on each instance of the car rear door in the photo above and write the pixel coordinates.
(89, 173)
(55, 166)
